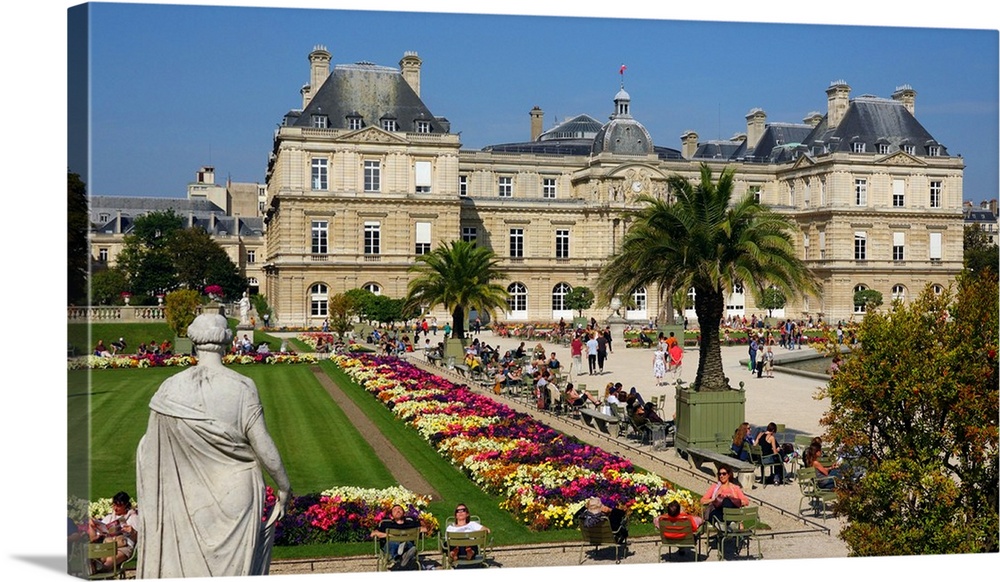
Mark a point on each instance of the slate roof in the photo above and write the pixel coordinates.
(779, 141)
(873, 120)
(199, 211)
(370, 91)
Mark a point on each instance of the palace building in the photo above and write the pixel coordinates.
(363, 178)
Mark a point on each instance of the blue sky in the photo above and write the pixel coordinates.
(178, 87)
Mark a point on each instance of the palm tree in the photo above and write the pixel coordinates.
(458, 275)
(700, 240)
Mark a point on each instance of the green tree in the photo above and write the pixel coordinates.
(260, 305)
(362, 301)
(458, 275)
(180, 307)
(77, 248)
(916, 406)
(580, 298)
(341, 310)
(702, 239)
(869, 298)
(106, 286)
(980, 252)
(199, 261)
(680, 301)
(388, 310)
(771, 299)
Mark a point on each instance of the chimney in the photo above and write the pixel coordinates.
(907, 96)
(319, 70)
(813, 119)
(410, 66)
(838, 96)
(755, 127)
(689, 144)
(536, 122)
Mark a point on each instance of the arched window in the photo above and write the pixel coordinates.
(858, 308)
(898, 293)
(637, 308)
(373, 287)
(559, 296)
(517, 302)
(937, 289)
(318, 300)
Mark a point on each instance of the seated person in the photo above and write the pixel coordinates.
(770, 450)
(403, 552)
(650, 411)
(552, 363)
(120, 526)
(825, 476)
(575, 398)
(166, 348)
(539, 351)
(741, 440)
(118, 346)
(463, 525)
(263, 348)
(101, 350)
(723, 493)
(644, 340)
(594, 512)
(675, 514)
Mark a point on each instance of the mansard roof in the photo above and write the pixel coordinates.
(873, 120)
(779, 141)
(196, 212)
(371, 92)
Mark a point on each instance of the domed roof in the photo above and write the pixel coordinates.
(622, 95)
(622, 134)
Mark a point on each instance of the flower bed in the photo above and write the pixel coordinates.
(631, 337)
(341, 514)
(150, 361)
(543, 476)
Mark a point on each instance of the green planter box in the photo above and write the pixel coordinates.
(702, 415)
(182, 345)
(455, 348)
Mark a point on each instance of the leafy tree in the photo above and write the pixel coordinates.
(916, 406)
(260, 305)
(680, 302)
(458, 275)
(700, 238)
(199, 261)
(77, 249)
(387, 310)
(180, 307)
(771, 299)
(580, 298)
(362, 301)
(106, 286)
(341, 310)
(156, 228)
(870, 298)
(980, 253)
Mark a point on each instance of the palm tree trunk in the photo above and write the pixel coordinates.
(709, 305)
(458, 323)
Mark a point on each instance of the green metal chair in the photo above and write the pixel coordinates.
(382, 558)
(461, 540)
(740, 526)
(809, 478)
(100, 551)
(689, 537)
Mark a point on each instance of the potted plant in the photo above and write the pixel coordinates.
(180, 309)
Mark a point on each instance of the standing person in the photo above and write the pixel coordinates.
(676, 359)
(607, 338)
(769, 362)
(198, 470)
(602, 352)
(592, 353)
(477, 325)
(576, 353)
(753, 352)
(659, 364)
(760, 363)
(447, 330)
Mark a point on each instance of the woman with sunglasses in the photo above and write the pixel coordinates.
(463, 525)
(723, 493)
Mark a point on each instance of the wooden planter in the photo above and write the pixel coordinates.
(702, 415)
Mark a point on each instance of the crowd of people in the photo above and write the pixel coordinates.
(119, 347)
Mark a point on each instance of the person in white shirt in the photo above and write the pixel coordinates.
(463, 525)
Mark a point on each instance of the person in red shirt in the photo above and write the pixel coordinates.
(674, 515)
(576, 352)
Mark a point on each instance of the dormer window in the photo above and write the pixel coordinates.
(103, 217)
(354, 121)
(389, 124)
(858, 147)
(933, 150)
(882, 148)
(319, 121)
(423, 126)
(909, 149)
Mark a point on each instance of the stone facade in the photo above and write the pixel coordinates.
(357, 192)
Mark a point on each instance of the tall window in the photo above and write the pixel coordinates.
(505, 186)
(251, 256)
(517, 297)
(318, 298)
(898, 193)
(639, 299)
(562, 244)
(373, 176)
(516, 243)
(898, 244)
(861, 191)
(422, 175)
(860, 246)
(373, 238)
(463, 185)
(935, 194)
(559, 296)
(755, 192)
(319, 174)
(898, 293)
(791, 193)
(822, 244)
(935, 250)
(320, 231)
(805, 246)
(469, 234)
(102, 254)
(548, 188)
(423, 236)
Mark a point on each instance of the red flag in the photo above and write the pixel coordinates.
(621, 71)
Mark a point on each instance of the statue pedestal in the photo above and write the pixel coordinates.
(244, 327)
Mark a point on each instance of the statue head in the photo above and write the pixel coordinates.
(210, 332)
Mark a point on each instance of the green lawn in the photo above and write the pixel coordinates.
(138, 333)
(319, 446)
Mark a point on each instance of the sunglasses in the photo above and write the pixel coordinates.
(461, 509)
(721, 473)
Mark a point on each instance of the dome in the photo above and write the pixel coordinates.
(623, 136)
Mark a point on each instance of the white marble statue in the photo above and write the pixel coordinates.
(198, 470)
(244, 309)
